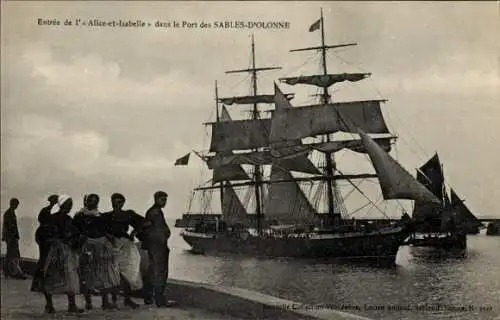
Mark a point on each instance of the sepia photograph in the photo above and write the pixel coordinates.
(250, 160)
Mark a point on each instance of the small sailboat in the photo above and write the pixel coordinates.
(444, 225)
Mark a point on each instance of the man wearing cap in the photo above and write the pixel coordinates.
(156, 243)
(10, 235)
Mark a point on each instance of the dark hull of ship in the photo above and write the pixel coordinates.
(472, 230)
(445, 242)
(493, 229)
(380, 246)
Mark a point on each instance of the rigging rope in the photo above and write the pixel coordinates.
(364, 195)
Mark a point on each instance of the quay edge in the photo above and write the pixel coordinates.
(231, 301)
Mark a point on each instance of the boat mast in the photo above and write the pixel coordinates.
(326, 99)
(217, 117)
(255, 115)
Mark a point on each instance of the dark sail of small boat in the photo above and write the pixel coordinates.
(428, 216)
(471, 222)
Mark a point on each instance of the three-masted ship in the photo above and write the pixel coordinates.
(278, 149)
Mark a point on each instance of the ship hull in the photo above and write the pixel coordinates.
(493, 229)
(444, 242)
(375, 246)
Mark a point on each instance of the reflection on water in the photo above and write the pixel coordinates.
(419, 279)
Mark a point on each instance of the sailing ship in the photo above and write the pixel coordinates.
(286, 222)
(444, 225)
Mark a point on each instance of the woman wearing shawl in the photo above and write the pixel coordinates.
(99, 270)
(61, 265)
(128, 256)
(42, 236)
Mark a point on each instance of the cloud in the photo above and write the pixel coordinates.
(107, 110)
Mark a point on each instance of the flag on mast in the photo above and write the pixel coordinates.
(315, 26)
(182, 161)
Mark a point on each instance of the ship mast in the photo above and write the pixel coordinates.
(328, 155)
(325, 97)
(256, 115)
(217, 117)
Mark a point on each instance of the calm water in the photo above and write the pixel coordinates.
(418, 280)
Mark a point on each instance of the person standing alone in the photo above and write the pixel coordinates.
(156, 243)
(10, 235)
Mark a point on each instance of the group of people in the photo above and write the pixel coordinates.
(93, 252)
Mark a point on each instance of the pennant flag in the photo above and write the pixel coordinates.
(183, 161)
(201, 156)
(315, 26)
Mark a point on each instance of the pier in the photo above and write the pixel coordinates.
(193, 301)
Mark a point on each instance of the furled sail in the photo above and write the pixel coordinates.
(230, 171)
(232, 208)
(262, 98)
(395, 181)
(307, 121)
(326, 80)
(286, 202)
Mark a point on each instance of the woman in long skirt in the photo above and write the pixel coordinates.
(60, 274)
(128, 256)
(99, 270)
(42, 236)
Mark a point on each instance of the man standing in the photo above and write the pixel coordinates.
(156, 243)
(11, 237)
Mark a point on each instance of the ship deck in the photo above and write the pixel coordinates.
(19, 303)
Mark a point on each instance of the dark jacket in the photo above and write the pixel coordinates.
(158, 230)
(65, 230)
(90, 226)
(44, 214)
(10, 231)
(118, 223)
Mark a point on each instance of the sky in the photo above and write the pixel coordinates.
(103, 110)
